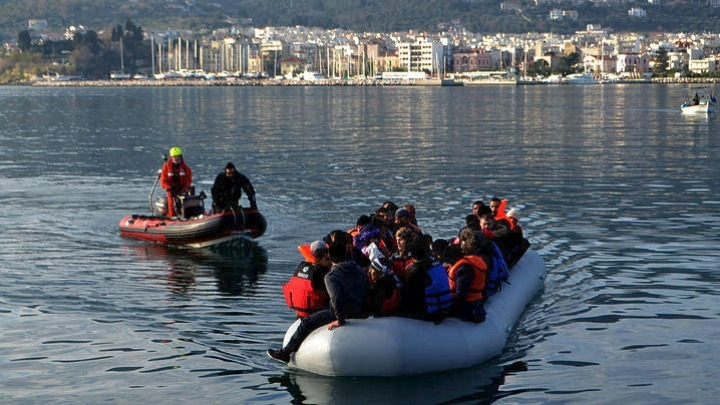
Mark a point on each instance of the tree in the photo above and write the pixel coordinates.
(568, 64)
(539, 67)
(24, 40)
(661, 62)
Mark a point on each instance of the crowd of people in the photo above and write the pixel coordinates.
(387, 266)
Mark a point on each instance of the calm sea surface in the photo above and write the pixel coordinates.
(618, 191)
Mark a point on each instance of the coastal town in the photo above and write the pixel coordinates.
(248, 55)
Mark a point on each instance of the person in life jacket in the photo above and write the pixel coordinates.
(497, 207)
(467, 277)
(175, 178)
(518, 244)
(425, 293)
(305, 292)
(498, 233)
(346, 282)
(386, 275)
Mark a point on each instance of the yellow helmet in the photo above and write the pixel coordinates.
(175, 151)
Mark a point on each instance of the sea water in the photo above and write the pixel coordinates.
(618, 191)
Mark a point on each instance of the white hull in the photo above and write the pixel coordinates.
(702, 108)
(392, 346)
(577, 78)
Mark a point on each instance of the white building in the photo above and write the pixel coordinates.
(422, 55)
(702, 66)
(637, 12)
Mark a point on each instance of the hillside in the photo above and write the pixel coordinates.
(359, 15)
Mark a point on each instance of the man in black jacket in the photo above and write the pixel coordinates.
(228, 187)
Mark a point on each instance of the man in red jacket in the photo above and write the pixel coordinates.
(175, 178)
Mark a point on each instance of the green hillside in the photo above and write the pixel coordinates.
(359, 15)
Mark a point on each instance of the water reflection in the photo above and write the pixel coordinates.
(477, 385)
(235, 264)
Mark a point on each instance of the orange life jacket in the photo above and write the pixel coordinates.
(300, 294)
(306, 253)
(502, 215)
(478, 284)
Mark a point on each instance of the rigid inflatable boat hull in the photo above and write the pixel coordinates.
(204, 230)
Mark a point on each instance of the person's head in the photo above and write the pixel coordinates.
(479, 208)
(495, 205)
(513, 215)
(362, 221)
(320, 251)
(410, 209)
(383, 217)
(474, 242)
(438, 248)
(487, 222)
(229, 169)
(421, 250)
(472, 222)
(452, 254)
(406, 240)
(176, 154)
(402, 217)
(339, 244)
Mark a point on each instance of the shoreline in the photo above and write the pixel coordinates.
(333, 82)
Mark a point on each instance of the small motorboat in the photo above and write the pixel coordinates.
(201, 230)
(394, 346)
(702, 103)
(193, 226)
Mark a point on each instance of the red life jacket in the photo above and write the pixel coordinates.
(399, 268)
(300, 294)
(478, 284)
(502, 215)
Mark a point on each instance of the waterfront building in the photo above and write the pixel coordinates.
(471, 61)
(633, 63)
(422, 55)
(703, 66)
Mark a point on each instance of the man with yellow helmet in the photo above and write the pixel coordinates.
(175, 178)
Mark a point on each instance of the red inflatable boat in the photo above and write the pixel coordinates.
(193, 226)
(197, 231)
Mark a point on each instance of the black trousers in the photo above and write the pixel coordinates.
(307, 325)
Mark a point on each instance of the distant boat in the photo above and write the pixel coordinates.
(701, 103)
(120, 76)
(438, 82)
(580, 78)
(553, 79)
(311, 76)
(62, 78)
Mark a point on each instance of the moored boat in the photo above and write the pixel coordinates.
(392, 346)
(580, 78)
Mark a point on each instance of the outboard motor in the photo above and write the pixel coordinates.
(191, 205)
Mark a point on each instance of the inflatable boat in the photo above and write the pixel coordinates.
(198, 231)
(393, 346)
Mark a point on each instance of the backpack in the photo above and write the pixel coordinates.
(497, 273)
